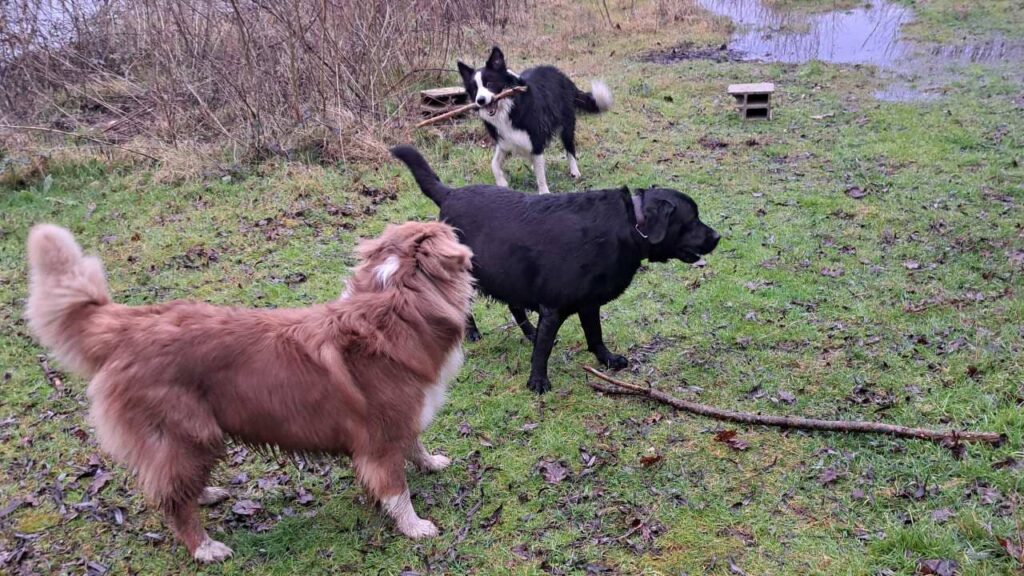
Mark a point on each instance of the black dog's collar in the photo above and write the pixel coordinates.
(638, 213)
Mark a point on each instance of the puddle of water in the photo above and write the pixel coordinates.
(870, 34)
(867, 35)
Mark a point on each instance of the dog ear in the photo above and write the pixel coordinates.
(465, 71)
(496, 60)
(440, 254)
(658, 215)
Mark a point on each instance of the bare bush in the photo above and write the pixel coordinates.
(266, 77)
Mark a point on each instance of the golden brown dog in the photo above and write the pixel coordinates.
(360, 376)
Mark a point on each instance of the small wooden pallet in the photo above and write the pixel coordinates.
(753, 100)
(440, 100)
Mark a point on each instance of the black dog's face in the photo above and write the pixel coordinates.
(674, 228)
(483, 84)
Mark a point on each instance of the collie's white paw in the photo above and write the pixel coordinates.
(503, 182)
(212, 495)
(543, 190)
(435, 462)
(418, 528)
(211, 551)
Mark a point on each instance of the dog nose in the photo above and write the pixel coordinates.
(481, 100)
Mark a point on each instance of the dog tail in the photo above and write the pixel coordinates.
(598, 100)
(428, 181)
(66, 289)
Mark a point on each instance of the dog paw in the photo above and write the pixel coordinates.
(615, 361)
(501, 182)
(212, 495)
(211, 551)
(418, 528)
(435, 462)
(543, 190)
(539, 385)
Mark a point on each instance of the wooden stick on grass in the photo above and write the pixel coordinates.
(461, 109)
(950, 436)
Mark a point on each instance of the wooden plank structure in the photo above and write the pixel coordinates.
(440, 100)
(753, 100)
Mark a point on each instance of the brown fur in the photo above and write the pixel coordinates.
(170, 382)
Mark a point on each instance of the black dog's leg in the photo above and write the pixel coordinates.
(472, 333)
(590, 318)
(524, 323)
(547, 328)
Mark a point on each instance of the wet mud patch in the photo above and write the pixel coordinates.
(690, 51)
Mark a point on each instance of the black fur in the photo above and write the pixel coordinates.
(547, 108)
(564, 254)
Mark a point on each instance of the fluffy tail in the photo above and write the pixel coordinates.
(65, 290)
(428, 181)
(598, 100)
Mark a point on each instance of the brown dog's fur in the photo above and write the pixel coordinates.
(360, 376)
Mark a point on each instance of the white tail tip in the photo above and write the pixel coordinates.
(602, 95)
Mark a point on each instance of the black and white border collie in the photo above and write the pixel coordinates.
(523, 124)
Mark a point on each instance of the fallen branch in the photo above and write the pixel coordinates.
(467, 107)
(77, 135)
(946, 437)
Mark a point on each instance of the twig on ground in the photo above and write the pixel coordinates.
(950, 436)
(76, 135)
(461, 109)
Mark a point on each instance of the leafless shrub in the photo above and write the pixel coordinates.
(328, 78)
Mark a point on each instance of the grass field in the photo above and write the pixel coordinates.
(901, 305)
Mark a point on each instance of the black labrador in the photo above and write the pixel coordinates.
(563, 254)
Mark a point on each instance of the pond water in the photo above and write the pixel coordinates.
(870, 34)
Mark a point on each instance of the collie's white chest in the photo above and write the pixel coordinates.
(510, 139)
(434, 396)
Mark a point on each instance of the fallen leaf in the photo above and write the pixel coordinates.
(493, 518)
(786, 397)
(856, 192)
(11, 507)
(734, 568)
(828, 476)
(1010, 463)
(832, 272)
(99, 482)
(529, 427)
(942, 515)
(938, 567)
(465, 429)
(1015, 548)
(653, 418)
(729, 438)
(303, 497)
(294, 279)
(553, 472)
(911, 264)
(650, 460)
(858, 494)
(246, 507)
